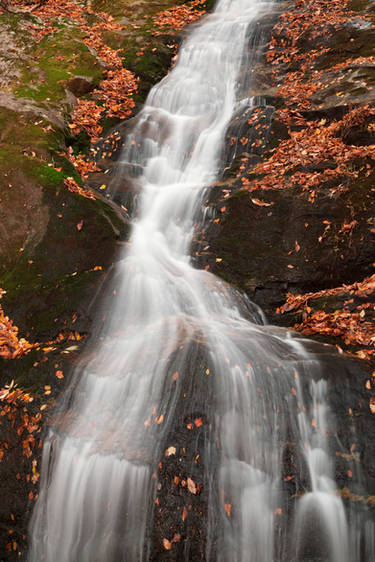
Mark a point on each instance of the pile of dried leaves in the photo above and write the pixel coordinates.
(316, 154)
(178, 17)
(354, 322)
(11, 345)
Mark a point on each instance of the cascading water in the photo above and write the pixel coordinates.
(177, 339)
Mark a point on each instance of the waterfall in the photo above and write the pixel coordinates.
(178, 345)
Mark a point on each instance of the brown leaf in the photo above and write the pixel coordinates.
(167, 544)
(260, 203)
(191, 486)
(170, 451)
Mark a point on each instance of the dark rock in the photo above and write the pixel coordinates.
(80, 85)
(257, 244)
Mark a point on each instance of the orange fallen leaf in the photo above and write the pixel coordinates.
(191, 486)
(167, 544)
(260, 203)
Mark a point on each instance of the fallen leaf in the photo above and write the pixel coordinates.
(167, 544)
(170, 451)
(260, 203)
(191, 486)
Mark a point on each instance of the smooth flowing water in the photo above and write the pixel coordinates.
(173, 327)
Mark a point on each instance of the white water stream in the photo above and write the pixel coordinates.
(97, 491)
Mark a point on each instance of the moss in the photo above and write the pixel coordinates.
(133, 10)
(49, 176)
(57, 59)
(25, 134)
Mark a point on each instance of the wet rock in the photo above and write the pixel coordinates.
(270, 250)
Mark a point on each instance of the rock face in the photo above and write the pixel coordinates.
(271, 250)
(295, 218)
